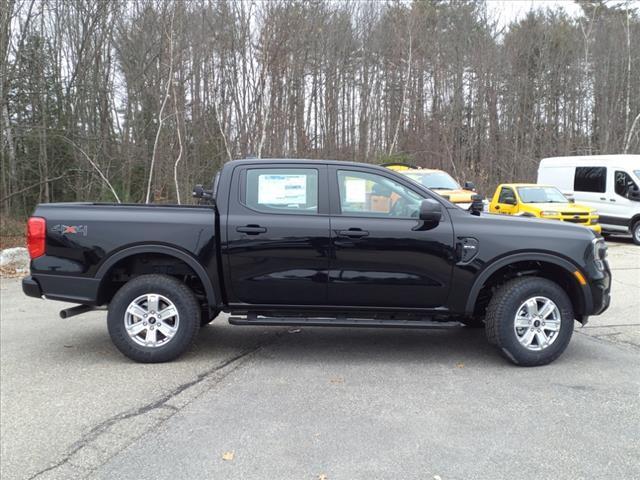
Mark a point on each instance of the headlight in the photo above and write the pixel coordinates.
(549, 213)
(595, 214)
(599, 253)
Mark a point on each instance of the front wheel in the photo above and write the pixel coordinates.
(153, 318)
(635, 232)
(530, 320)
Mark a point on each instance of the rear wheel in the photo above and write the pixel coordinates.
(530, 320)
(153, 318)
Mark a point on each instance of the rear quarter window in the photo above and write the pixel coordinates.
(590, 179)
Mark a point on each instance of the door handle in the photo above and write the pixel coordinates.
(612, 199)
(353, 233)
(603, 198)
(251, 229)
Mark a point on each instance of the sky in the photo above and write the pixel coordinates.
(507, 11)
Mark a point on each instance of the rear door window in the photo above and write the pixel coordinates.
(282, 190)
(590, 179)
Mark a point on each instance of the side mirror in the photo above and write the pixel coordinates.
(470, 186)
(510, 201)
(202, 194)
(430, 212)
(477, 205)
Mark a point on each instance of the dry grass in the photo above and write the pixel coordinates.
(12, 232)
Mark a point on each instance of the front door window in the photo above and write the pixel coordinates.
(369, 195)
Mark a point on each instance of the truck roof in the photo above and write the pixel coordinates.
(523, 185)
(345, 163)
(304, 160)
(628, 161)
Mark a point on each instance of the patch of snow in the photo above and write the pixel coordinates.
(15, 259)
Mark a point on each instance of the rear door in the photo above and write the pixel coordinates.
(590, 188)
(278, 235)
(381, 255)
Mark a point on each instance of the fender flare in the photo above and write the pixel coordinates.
(484, 275)
(166, 250)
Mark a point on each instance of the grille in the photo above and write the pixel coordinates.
(572, 214)
(576, 220)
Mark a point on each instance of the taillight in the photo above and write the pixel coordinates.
(36, 233)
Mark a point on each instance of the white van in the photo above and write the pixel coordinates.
(608, 183)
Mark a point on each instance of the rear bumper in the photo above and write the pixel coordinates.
(31, 287)
(65, 288)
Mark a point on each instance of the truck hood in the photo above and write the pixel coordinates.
(456, 196)
(561, 207)
(530, 228)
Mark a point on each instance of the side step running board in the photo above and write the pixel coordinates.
(253, 319)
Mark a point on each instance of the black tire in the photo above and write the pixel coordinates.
(206, 318)
(472, 322)
(635, 233)
(185, 303)
(502, 311)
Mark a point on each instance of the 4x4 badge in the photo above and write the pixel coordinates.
(70, 229)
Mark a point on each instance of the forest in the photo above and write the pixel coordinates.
(138, 100)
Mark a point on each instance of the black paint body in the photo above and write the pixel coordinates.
(303, 263)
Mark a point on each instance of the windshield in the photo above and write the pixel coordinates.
(541, 195)
(434, 180)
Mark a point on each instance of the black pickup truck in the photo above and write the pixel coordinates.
(319, 243)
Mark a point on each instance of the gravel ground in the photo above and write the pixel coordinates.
(251, 402)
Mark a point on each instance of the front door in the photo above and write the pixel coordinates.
(624, 199)
(381, 257)
(278, 236)
(507, 203)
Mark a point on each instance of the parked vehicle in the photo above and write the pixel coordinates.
(608, 183)
(541, 201)
(319, 243)
(440, 182)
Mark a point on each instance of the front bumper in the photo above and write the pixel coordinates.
(596, 228)
(601, 295)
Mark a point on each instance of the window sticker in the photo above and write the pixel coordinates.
(356, 190)
(282, 189)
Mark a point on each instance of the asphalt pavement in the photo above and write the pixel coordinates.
(319, 403)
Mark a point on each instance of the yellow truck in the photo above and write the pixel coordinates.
(541, 201)
(439, 181)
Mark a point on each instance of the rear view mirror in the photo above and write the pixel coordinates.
(430, 212)
(470, 186)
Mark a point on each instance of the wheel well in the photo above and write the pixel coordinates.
(633, 221)
(550, 271)
(145, 263)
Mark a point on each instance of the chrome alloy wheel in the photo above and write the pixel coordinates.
(537, 323)
(151, 320)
